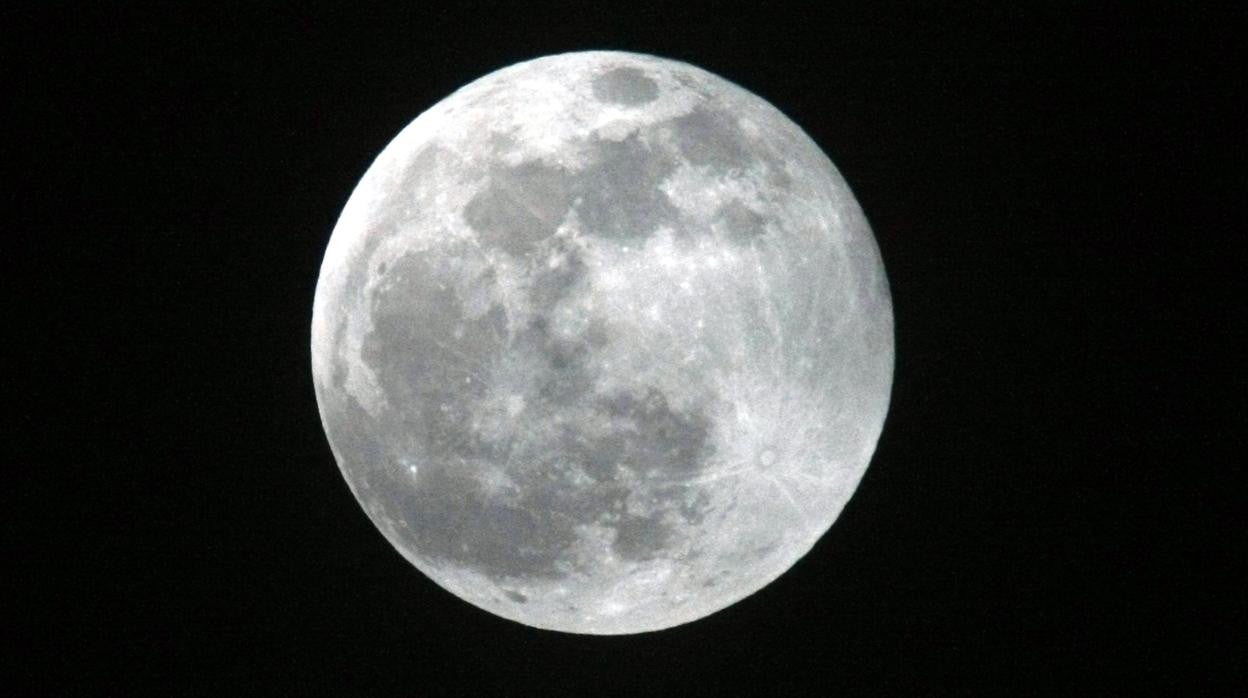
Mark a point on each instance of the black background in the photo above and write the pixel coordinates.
(1049, 506)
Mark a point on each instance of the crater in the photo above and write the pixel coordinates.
(625, 86)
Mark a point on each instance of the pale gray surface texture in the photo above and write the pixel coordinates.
(602, 343)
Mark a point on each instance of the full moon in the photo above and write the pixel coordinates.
(602, 343)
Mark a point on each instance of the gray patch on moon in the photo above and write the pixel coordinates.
(354, 435)
(622, 199)
(617, 194)
(553, 284)
(338, 368)
(427, 354)
(713, 138)
(692, 504)
(516, 596)
(497, 538)
(556, 366)
(742, 223)
(657, 441)
(625, 86)
(641, 537)
(520, 206)
(638, 437)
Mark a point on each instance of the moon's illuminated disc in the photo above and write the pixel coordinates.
(602, 343)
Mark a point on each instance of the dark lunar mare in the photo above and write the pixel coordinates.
(618, 195)
(625, 86)
(439, 365)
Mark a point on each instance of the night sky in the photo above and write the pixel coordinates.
(1052, 503)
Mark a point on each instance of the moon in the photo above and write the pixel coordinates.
(602, 343)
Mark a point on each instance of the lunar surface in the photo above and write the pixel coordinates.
(602, 343)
